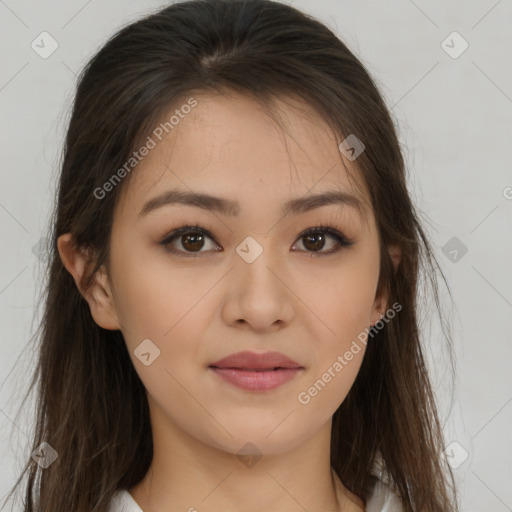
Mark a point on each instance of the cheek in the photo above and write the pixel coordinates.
(164, 306)
(339, 347)
(340, 308)
(327, 389)
(155, 299)
(172, 308)
(343, 307)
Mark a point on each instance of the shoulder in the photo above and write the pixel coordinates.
(122, 501)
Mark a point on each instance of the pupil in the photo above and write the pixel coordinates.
(318, 237)
(196, 241)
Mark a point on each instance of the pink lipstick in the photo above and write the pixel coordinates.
(256, 372)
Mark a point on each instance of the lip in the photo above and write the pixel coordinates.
(256, 361)
(256, 371)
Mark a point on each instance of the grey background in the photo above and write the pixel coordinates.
(454, 119)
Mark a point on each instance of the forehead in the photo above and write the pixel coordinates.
(230, 146)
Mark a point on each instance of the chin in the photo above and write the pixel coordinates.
(259, 437)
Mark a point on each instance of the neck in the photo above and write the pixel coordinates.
(188, 475)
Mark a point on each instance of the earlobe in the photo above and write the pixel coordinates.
(99, 296)
(378, 312)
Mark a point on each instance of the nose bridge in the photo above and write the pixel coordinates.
(255, 259)
(258, 293)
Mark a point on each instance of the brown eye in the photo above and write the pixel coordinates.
(192, 242)
(314, 240)
(188, 240)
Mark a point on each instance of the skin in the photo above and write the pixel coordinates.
(198, 309)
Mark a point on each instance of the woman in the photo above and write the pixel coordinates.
(220, 334)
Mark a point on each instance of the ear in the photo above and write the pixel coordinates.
(395, 253)
(381, 302)
(99, 296)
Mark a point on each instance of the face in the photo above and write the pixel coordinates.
(246, 275)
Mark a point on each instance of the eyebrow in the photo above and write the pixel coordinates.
(232, 208)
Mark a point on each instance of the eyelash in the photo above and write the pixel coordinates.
(343, 242)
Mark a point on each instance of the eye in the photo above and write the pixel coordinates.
(193, 238)
(314, 240)
(190, 238)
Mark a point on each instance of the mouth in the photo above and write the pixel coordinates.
(256, 379)
(254, 369)
(251, 371)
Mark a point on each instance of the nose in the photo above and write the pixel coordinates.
(258, 296)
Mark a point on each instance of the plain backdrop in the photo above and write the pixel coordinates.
(444, 68)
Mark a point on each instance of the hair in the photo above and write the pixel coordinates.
(91, 404)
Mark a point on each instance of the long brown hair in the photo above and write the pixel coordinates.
(91, 405)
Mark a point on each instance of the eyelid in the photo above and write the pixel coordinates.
(330, 230)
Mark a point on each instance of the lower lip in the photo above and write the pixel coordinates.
(256, 380)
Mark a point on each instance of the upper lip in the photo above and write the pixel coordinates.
(256, 361)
